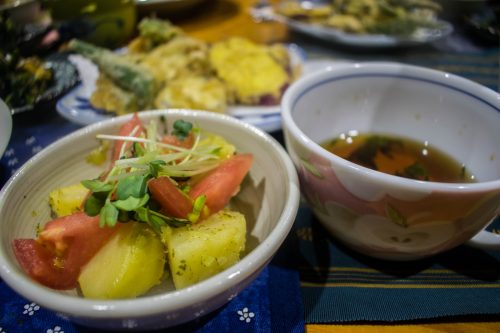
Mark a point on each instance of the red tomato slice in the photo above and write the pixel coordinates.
(175, 141)
(172, 200)
(126, 130)
(64, 246)
(38, 262)
(223, 182)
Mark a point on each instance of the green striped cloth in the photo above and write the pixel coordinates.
(481, 67)
(339, 285)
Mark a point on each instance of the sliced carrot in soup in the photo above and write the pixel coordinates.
(223, 182)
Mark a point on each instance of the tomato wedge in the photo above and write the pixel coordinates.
(175, 141)
(127, 129)
(172, 200)
(223, 182)
(64, 246)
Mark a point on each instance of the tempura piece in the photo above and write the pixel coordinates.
(108, 96)
(153, 32)
(182, 56)
(252, 75)
(196, 92)
(125, 74)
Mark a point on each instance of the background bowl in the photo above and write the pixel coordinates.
(5, 126)
(269, 202)
(107, 23)
(383, 215)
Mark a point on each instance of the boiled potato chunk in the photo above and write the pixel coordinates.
(128, 265)
(67, 200)
(226, 149)
(199, 251)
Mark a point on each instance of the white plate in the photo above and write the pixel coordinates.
(5, 126)
(75, 105)
(421, 36)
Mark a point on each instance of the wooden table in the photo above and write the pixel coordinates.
(217, 19)
(214, 20)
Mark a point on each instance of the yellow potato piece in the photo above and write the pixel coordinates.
(130, 264)
(67, 200)
(202, 250)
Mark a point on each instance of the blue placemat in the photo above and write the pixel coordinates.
(342, 286)
(29, 136)
(272, 303)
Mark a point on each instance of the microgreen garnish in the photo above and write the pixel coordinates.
(123, 194)
(198, 206)
(108, 215)
(155, 167)
(182, 129)
(96, 185)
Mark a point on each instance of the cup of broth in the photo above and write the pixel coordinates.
(398, 162)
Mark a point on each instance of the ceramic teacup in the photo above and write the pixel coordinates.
(383, 215)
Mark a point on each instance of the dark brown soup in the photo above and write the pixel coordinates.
(399, 156)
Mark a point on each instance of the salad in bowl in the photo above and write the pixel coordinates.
(150, 218)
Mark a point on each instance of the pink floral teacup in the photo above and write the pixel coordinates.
(383, 215)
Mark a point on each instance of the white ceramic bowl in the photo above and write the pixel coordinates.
(268, 200)
(383, 215)
(5, 126)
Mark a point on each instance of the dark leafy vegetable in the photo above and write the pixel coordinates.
(415, 171)
(182, 129)
(24, 79)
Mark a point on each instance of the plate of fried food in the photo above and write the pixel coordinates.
(362, 23)
(165, 68)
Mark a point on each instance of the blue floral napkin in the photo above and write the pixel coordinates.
(272, 303)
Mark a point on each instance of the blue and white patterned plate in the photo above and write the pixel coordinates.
(75, 106)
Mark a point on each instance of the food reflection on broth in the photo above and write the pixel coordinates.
(399, 156)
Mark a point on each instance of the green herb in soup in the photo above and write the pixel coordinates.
(399, 156)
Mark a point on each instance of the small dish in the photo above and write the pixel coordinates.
(65, 78)
(396, 215)
(5, 126)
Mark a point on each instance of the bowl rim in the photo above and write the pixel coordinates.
(385, 68)
(5, 126)
(176, 300)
